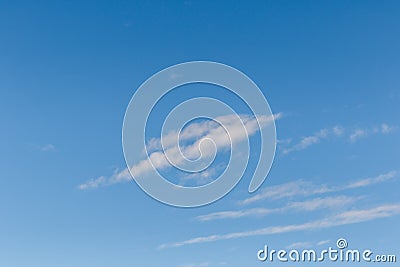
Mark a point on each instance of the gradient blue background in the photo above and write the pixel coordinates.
(69, 68)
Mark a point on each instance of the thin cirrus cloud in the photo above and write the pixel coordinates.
(314, 139)
(336, 132)
(44, 148)
(203, 177)
(196, 132)
(299, 245)
(208, 129)
(322, 203)
(48, 148)
(361, 133)
(236, 214)
(307, 205)
(304, 188)
(344, 218)
(307, 244)
(323, 242)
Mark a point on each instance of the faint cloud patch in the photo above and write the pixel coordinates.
(357, 134)
(203, 177)
(44, 148)
(361, 133)
(299, 245)
(93, 183)
(323, 242)
(338, 131)
(344, 218)
(305, 188)
(331, 203)
(315, 138)
(307, 244)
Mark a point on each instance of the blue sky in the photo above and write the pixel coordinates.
(69, 69)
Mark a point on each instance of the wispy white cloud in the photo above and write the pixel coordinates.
(48, 148)
(44, 148)
(299, 188)
(359, 133)
(235, 214)
(286, 141)
(93, 183)
(307, 205)
(307, 244)
(322, 203)
(323, 242)
(338, 131)
(203, 177)
(344, 218)
(372, 180)
(200, 131)
(117, 177)
(285, 190)
(197, 133)
(303, 188)
(309, 140)
(300, 245)
(386, 128)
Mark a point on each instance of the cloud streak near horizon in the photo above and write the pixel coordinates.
(344, 218)
(307, 205)
(299, 188)
(305, 188)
